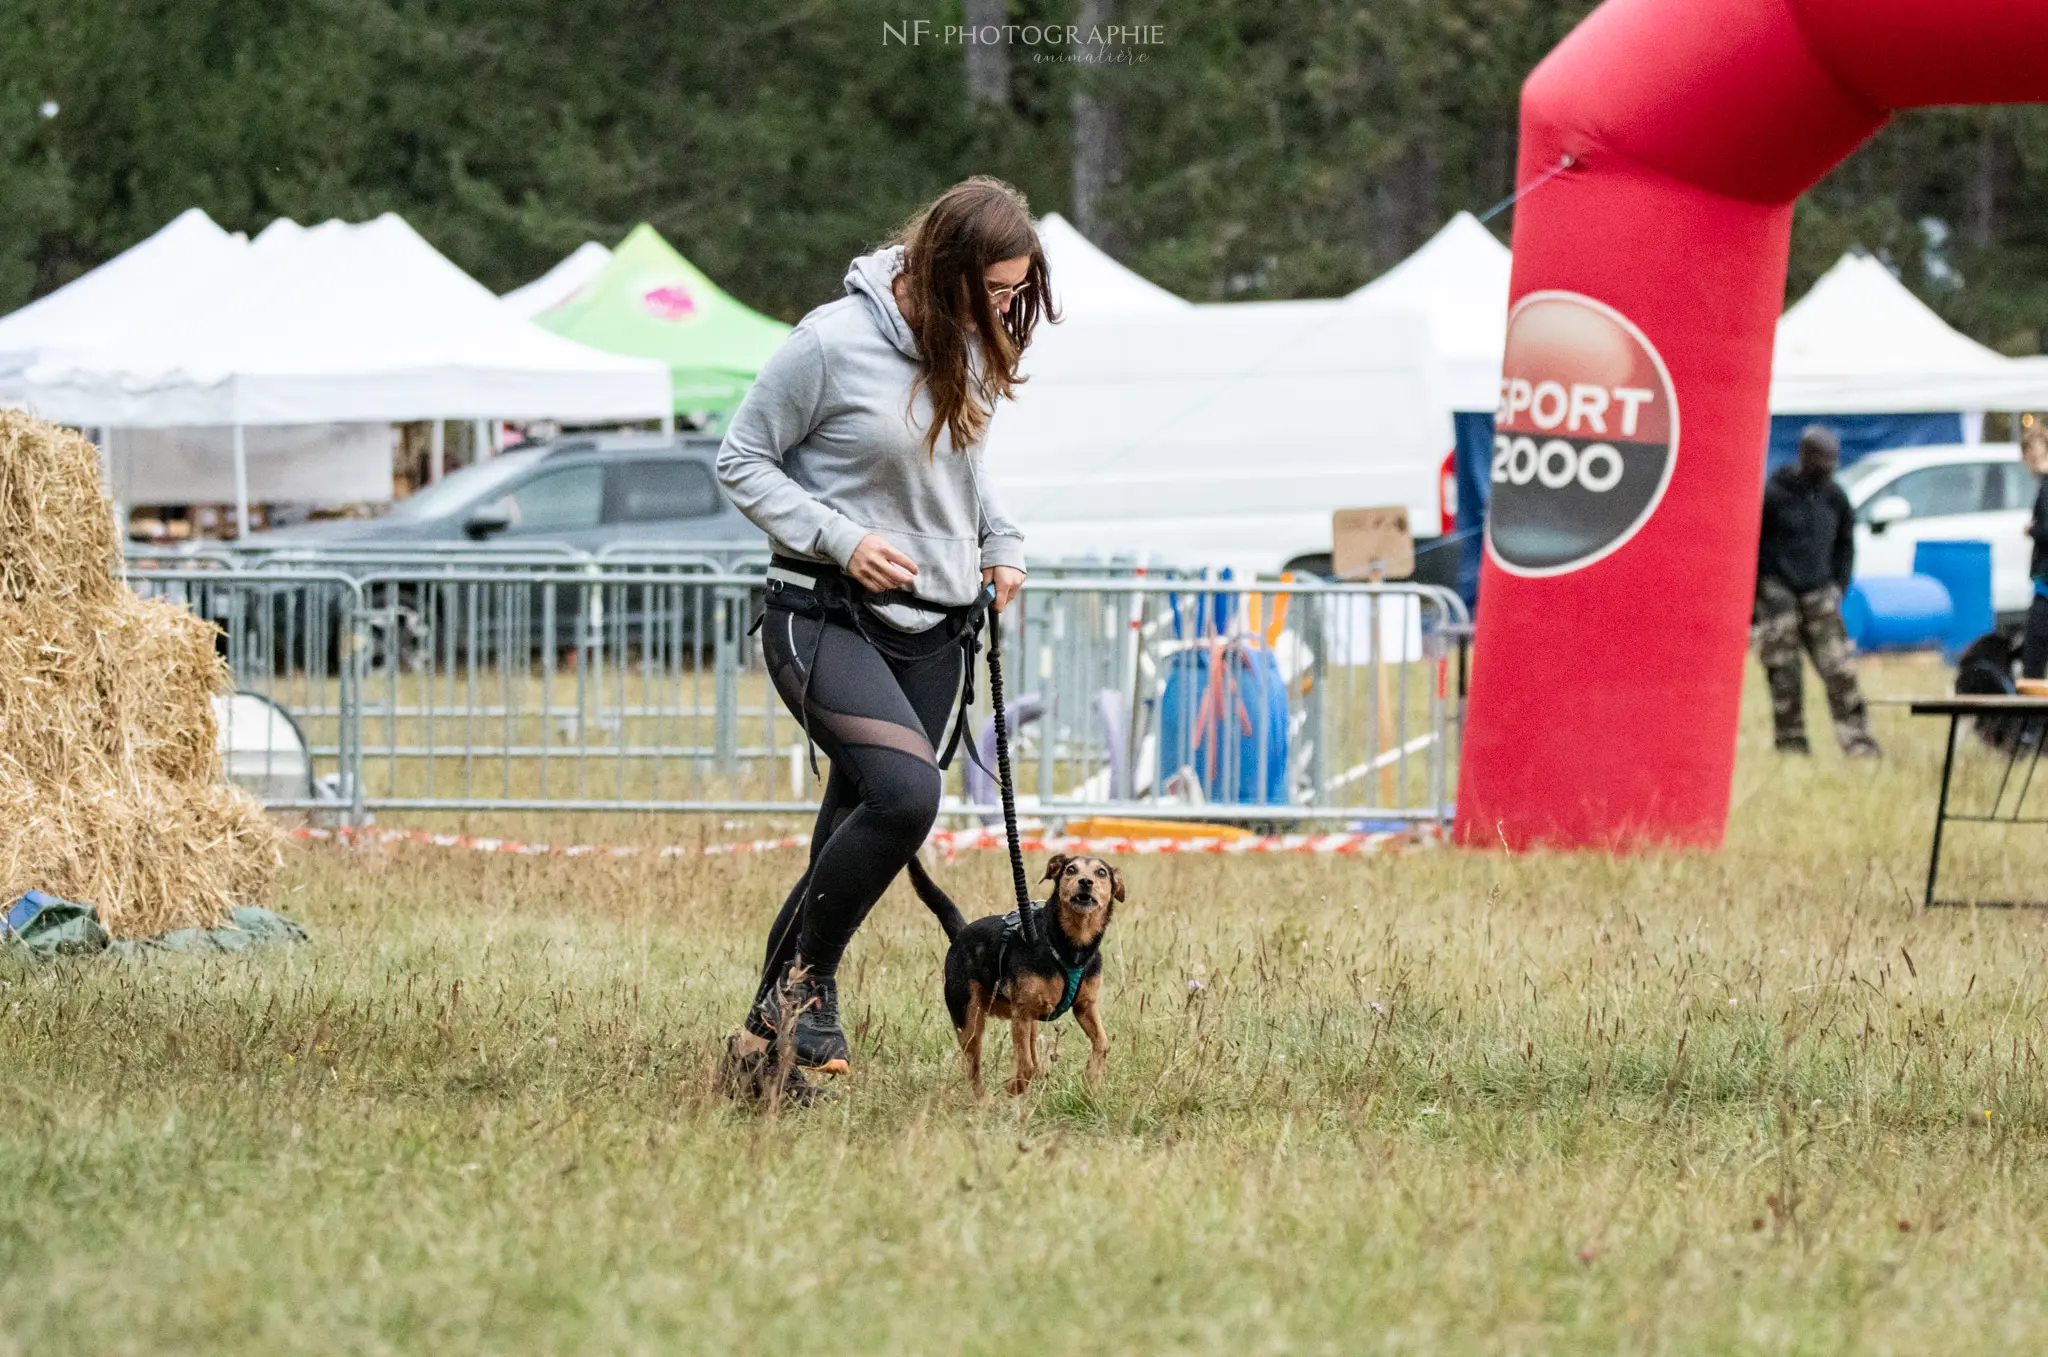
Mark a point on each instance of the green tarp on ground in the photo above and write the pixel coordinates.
(652, 303)
(52, 927)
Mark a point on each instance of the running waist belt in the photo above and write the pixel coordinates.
(821, 590)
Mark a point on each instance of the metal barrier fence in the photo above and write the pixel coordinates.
(357, 560)
(293, 640)
(539, 553)
(622, 684)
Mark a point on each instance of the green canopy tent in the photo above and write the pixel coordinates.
(651, 302)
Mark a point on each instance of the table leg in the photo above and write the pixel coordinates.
(2030, 738)
(1948, 764)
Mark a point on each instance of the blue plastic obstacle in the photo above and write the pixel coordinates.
(1898, 612)
(1964, 568)
(1224, 716)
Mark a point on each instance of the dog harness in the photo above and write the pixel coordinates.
(1013, 933)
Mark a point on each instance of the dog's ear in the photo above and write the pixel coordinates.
(1056, 865)
(1116, 884)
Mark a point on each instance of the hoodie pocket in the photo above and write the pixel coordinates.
(948, 568)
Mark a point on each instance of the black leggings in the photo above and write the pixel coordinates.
(880, 718)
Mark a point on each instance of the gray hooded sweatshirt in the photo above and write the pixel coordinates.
(822, 452)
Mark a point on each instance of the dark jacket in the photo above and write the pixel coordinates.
(2038, 567)
(1809, 534)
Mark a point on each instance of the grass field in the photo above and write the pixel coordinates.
(1751, 1101)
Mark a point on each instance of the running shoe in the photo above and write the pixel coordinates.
(755, 1077)
(810, 1005)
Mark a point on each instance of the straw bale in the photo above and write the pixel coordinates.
(111, 789)
(160, 669)
(57, 540)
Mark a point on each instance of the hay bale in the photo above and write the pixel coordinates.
(111, 789)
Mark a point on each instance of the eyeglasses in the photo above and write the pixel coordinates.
(1002, 294)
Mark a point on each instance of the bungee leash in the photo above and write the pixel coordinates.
(1026, 914)
(1026, 917)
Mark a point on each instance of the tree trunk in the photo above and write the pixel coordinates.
(1981, 229)
(1098, 136)
(1426, 163)
(988, 63)
(1406, 199)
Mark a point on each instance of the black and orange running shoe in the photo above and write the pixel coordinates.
(759, 1078)
(807, 1006)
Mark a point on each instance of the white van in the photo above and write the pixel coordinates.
(1956, 492)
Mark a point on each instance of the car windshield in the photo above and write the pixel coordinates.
(1858, 474)
(467, 486)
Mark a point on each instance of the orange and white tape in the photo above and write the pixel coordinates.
(947, 842)
(950, 842)
(480, 844)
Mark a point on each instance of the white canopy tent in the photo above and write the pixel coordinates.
(1089, 285)
(560, 283)
(1861, 343)
(281, 463)
(143, 279)
(1458, 281)
(342, 321)
(314, 461)
(1220, 433)
(338, 323)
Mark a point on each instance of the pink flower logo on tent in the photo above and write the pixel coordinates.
(671, 301)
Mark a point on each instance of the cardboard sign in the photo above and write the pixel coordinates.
(1365, 542)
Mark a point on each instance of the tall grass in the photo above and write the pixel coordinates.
(1753, 1100)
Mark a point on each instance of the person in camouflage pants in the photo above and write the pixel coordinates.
(1786, 623)
(1804, 557)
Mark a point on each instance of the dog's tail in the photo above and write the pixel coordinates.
(936, 900)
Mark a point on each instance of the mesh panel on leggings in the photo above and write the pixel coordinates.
(850, 729)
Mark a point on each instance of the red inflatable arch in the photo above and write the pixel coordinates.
(1628, 466)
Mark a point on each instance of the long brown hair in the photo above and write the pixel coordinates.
(947, 248)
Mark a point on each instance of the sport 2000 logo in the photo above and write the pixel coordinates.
(1585, 436)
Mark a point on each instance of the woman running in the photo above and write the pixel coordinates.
(858, 452)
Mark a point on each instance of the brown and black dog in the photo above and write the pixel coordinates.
(990, 972)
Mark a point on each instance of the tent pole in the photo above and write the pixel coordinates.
(104, 439)
(668, 421)
(241, 485)
(437, 451)
(484, 450)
